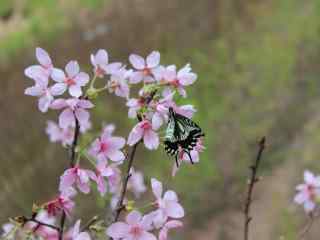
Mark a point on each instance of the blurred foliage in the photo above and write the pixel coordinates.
(33, 21)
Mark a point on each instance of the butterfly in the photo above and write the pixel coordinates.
(182, 134)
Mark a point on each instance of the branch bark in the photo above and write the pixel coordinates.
(253, 180)
(120, 205)
(72, 157)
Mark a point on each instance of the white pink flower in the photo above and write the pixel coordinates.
(114, 180)
(40, 230)
(118, 83)
(101, 64)
(161, 108)
(57, 134)
(102, 171)
(163, 234)
(308, 192)
(134, 106)
(178, 80)
(184, 157)
(143, 130)
(144, 67)
(45, 94)
(108, 147)
(77, 235)
(168, 205)
(73, 108)
(43, 71)
(73, 80)
(62, 203)
(136, 227)
(79, 177)
(136, 183)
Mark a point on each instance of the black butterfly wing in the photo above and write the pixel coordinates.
(183, 132)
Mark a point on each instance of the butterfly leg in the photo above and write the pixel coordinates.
(190, 157)
(177, 162)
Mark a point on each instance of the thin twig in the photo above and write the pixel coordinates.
(89, 223)
(120, 205)
(72, 163)
(307, 227)
(253, 180)
(313, 216)
(32, 219)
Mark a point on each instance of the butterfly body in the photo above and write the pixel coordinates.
(182, 134)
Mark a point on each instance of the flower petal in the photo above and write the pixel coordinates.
(147, 236)
(58, 89)
(118, 230)
(72, 68)
(156, 188)
(151, 140)
(133, 217)
(43, 57)
(137, 61)
(82, 79)
(174, 210)
(75, 91)
(82, 115)
(153, 59)
(135, 135)
(66, 118)
(58, 75)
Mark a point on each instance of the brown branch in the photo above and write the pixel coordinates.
(312, 218)
(120, 205)
(307, 227)
(253, 180)
(72, 163)
(32, 219)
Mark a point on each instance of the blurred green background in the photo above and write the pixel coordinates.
(258, 64)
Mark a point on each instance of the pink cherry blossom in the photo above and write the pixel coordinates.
(114, 180)
(136, 227)
(102, 171)
(178, 80)
(73, 81)
(161, 108)
(168, 205)
(136, 183)
(101, 64)
(40, 230)
(118, 83)
(184, 110)
(73, 108)
(62, 203)
(144, 67)
(45, 94)
(79, 177)
(143, 130)
(309, 192)
(184, 157)
(163, 234)
(40, 72)
(134, 106)
(57, 134)
(77, 235)
(108, 147)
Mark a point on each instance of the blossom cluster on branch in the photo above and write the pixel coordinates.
(72, 93)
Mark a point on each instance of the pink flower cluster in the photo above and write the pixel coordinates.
(161, 219)
(309, 192)
(71, 92)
